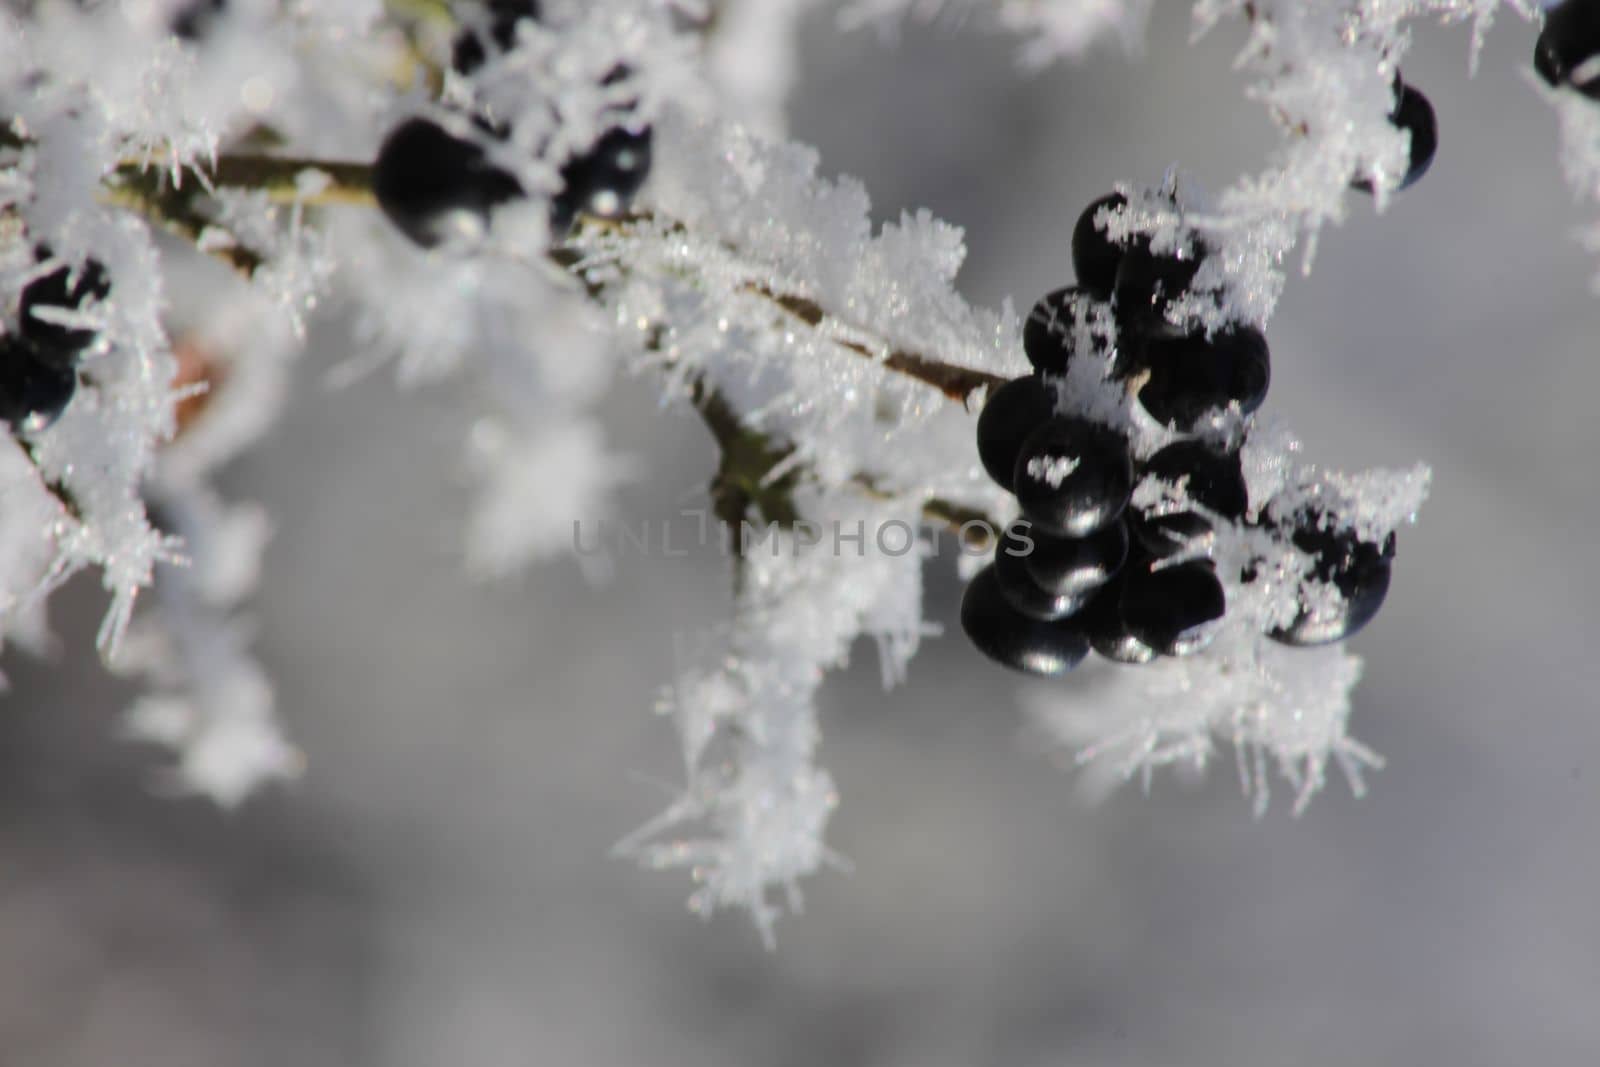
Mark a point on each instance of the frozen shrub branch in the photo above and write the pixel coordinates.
(833, 361)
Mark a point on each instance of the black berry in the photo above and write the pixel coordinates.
(433, 185)
(468, 52)
(1012, 412)
(1191, 376)
(1012, 639)
(1047, 336)
(1095, 256)
(1148, 282)
(1210, 478)
(1173, 609)
(1011, 570)
(65, 288)
(1072, 476)
(603, 180)
(34, 389)
(1568, 50)
(1073, 566)
(1414, 114)
(1108, 634)
(1358, 569)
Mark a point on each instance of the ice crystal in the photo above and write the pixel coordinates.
(748, 724)
(1579, 119)
(748, 289)
(91, 92)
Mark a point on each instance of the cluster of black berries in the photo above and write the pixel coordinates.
(433, 185)
(1084, 568)
(1568, 50)
(39, 363)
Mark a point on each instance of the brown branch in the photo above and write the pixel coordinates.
(178, 203)
(953, 380)
(54, 486)
(176, 210)
(748, 457)
(278, 177)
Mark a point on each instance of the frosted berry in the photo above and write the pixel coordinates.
(65, 288)
(1210, 478)
(1077, 566)
(468, 54)
(1568, 50)
(1047, 336)
(434, 186)
(1108, 634)
(1173, 609)
(1148, 282)
(1072, 476)
(1191, 376)
(1095, 256)
(1358, 569)
(1012, 412)
(1024, 594)
(34, 389)
(603, 180)
(1414, 114)
(1012, 639)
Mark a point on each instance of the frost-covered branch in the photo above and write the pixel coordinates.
(834, 362)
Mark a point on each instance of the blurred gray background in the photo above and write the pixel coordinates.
(438, 890)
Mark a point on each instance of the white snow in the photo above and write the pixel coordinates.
(745, 274)
(1053, 470)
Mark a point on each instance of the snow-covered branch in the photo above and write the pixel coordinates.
(525, 254)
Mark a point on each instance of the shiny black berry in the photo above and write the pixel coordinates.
(468, 53)
(34, 389)
(1095, 256)
(1210, 478)
(1012, 412)
(1568, 50)
(1148, 282)
(1173, 609)
(1012, 639)
(65, 288)
(1108, 634)
(435, 186)
(1414, 114)
(1358, 569)
(1077, 566)
(1047, 336)
(603, 180)
(1191, 376)
(1011, 557)
(1072, 476)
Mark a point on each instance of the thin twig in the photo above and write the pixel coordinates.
(177, 211)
